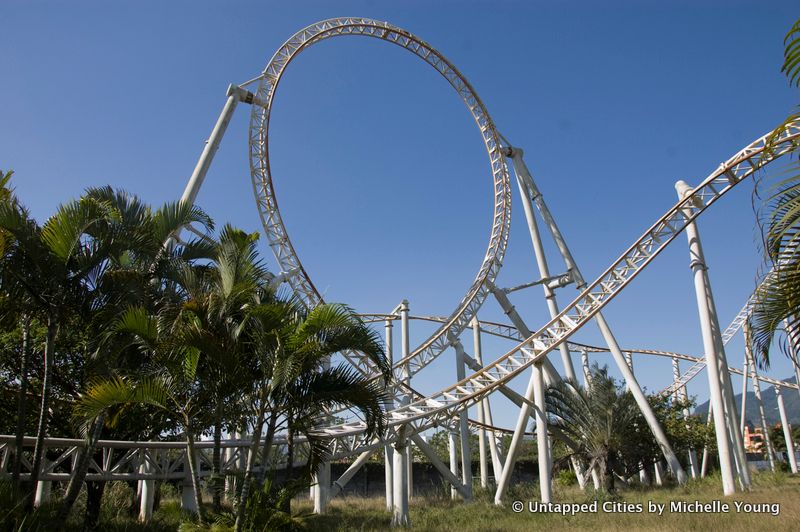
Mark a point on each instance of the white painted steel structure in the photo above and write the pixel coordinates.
(412, 412)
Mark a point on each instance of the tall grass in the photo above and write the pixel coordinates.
(442, 514)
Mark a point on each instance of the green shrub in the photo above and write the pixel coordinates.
(566, 477)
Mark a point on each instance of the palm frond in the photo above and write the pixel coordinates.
(64, 232)
(791, 55)
(172, 216)
(104, 393)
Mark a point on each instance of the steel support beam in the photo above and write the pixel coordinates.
(437, 463)
(787, 431)
(680, 393)
(463, 418)
(762, 415)
(544, 273)
(350, 472)
(147, 496)
(405, 350)
(400, 517)
(533, 194)
(388, 452)
(494, 452)
(707, 314)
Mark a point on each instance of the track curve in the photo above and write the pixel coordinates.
(266, 201)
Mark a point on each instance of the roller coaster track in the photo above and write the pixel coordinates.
(267, 204)
(509, 332)
(424, 412)
(441, 408)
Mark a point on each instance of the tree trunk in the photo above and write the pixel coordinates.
(94, 500)
(248, 476)
(287, 505)
(607, 475)
(21, 404)
(192, 460)
(81, 469)
(217, 481)
(265, 453)
(41, 431)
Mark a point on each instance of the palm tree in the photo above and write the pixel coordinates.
(51, 268)
(217, 322)
(602, 424)
(296, 383)
(778, 297)
(137, 269)
(15, 310)
(170, 383)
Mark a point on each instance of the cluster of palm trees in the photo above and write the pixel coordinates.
(188, 335)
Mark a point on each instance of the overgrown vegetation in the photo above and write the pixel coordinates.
(119, 329)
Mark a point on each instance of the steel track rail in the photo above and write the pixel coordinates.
(509, 332)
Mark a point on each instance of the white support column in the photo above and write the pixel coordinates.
(542, 440)
(453, 454)
(746, 371)
(659, 473)
(338, 485)
(644, 474)
(787, 431)
(680, 393)
(704, 466)
(227, 457)
(704, 305)
(388, 452)
(494, 444)
(463, 422)
(400, 515)
(436, 462)
(405, 350)
(532, 193)
(595, 479)
(739, 454)
(188, 500)
(751, 364)
(484, 465)
(322, 488)
(148, 488)
(234, 94)
(189, 195)
(43, 487)
(544, 273)
(535, 384)
(484, 405)
(587, 373)
(578, 467)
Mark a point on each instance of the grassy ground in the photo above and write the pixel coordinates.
(441, 514)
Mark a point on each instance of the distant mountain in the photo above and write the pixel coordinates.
(790, 398)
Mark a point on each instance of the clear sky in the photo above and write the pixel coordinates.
(380, 171)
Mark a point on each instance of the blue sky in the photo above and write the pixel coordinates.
(379, 169)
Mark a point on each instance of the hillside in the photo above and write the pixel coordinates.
(790, 398)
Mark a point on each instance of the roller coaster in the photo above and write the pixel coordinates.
(479, 376)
